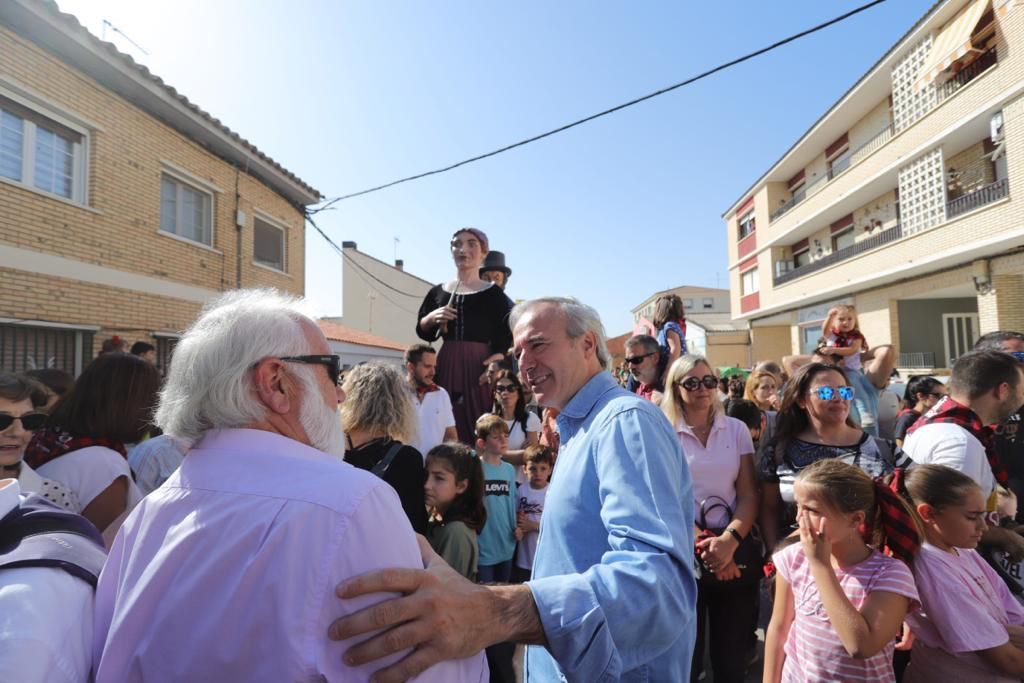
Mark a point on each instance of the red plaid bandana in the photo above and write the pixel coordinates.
(422, 391)
(899, 532)
(948, 411)
(908, 411)
(52, 442)
(844, 340)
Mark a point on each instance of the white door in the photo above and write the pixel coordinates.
(959, 331)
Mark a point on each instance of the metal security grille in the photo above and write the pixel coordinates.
(23, 347)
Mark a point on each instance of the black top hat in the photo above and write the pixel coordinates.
(495, 260)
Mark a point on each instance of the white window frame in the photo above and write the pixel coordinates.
(843, 233)
(196, 185)
(707, 303)
(278, 225)
(749, 220)
(750, 283)
(79, 150)
(687, 304)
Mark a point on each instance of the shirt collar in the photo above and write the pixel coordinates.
(580, 405)
(716, 424)
(10, 496)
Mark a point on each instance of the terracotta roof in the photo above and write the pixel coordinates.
(336, 332)
(72, 23)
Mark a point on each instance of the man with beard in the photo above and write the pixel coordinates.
(435, 421)
(986, 388)
(1009, 440)
(227, 571)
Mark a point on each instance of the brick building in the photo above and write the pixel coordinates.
(899, 199)
(123, 206)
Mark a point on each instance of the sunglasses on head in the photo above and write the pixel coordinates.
(828, 393)
(332, 362)
(636, 359)
(691, 383)
(504, 388)
(30, 422)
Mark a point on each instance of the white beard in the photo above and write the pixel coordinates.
(322, 425)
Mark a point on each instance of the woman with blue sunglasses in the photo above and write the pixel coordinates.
(814, 423)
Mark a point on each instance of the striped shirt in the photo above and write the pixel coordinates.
(813, 649)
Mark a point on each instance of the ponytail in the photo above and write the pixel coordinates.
(897, 528)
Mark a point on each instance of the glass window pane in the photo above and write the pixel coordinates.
(168, 205)
(11, 138)
(268, 245)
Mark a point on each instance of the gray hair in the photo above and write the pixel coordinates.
(646, 341)
(377, 398)
(210, 382)
(579, 319)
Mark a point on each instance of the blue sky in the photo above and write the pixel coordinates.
(351, 95)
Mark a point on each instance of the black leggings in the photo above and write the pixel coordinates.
(726, 617)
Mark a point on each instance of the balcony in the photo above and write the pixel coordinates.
(884, 237)
(980, 65)
(980, 197)
(943, 91)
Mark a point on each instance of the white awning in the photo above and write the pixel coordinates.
(952, 42)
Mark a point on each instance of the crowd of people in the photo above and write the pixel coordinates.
(509, 506)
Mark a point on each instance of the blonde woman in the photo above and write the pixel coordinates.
(379, 417)
(720, 455)
(763, 389)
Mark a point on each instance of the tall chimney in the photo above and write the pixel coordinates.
(400, 264)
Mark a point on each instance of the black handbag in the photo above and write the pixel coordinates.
(749, 555)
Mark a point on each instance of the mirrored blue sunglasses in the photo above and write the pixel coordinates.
(828, 393)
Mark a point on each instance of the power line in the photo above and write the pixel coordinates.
(619, 107)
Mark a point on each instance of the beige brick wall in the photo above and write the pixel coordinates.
(770, 343)
(120, 229)
(974, 167)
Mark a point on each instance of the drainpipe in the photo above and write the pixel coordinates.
(239, 224)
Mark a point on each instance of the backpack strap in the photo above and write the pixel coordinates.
(58, 540)
(384, 463)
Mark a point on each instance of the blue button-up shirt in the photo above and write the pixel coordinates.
(613, 574)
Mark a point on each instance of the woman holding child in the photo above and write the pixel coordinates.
(719, 452)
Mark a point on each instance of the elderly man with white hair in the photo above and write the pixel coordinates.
(227, 571)
(613, 596)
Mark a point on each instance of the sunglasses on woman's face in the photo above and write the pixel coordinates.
(828, 393)
(691, 383)
(504, 388)
(30, 422)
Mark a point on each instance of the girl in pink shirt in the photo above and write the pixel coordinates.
(839, 602)
(969, 627)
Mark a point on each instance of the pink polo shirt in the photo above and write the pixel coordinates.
(227, 571)
(714, 468)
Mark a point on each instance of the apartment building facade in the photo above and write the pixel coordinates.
(900, 200)
(123, 206)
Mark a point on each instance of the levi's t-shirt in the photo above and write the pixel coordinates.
(497, 539)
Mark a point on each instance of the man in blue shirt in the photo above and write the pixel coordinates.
(613, 594)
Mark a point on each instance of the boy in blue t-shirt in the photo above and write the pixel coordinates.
(497, 539)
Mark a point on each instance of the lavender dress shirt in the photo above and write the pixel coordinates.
(227, 571)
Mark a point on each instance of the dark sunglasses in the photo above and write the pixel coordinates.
(504, 388)
(691, 383)
(828, 393)
(1019, 355)
(31, 422)
(636, 359)
(331, 362)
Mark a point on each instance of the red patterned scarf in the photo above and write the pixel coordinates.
(423, 390)
(844, 340)
(948, 411)
(51, 443)
(900, 538)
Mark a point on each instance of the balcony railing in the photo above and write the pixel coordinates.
(917, 359)
(972, 71)
(980, 197)
(884, 237)
(943, 91)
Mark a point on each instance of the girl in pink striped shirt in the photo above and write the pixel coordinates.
(839, 602)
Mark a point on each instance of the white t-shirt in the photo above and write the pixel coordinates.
(714, 468)
(516, 436)
(530, 501)
(433, 416)
(89, 471)
(948, 444)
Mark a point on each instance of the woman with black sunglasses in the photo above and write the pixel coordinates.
(922, 393)
(21, 413)
(523, 424)
(720, 454)
(814, 424)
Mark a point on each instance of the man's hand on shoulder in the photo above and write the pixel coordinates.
(441, 615)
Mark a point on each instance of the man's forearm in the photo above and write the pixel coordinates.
(516, 615)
